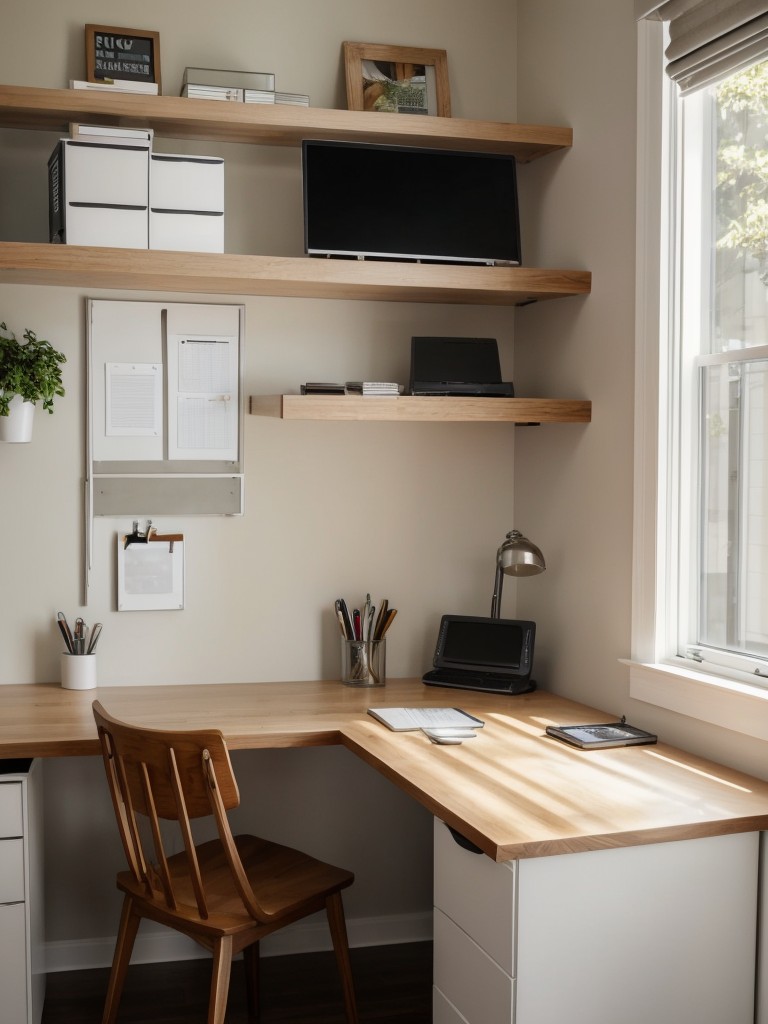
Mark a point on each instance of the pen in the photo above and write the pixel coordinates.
(386, 624)
(356, 624)
(95, 634)
(380, 619)
(65, 632)
(340, 617)
(348, 630)
(80, 630)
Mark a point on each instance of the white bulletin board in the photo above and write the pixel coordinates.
(165, 408)
(165, 426)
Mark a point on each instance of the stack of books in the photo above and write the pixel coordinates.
(117, 85)
(215, 84)
(237, 86)
(296, 99)
(109, 135)
(373, 387)
(319, 388)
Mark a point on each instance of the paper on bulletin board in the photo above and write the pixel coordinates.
(203, 391)
(150, 576)
(134, 400)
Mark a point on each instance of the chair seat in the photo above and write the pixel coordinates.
(283, 881)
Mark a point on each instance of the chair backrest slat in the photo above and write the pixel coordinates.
(186, 833)
(253, 907)
(126, 825)
(157, 838)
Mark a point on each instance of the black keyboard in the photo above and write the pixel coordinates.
(488, 682)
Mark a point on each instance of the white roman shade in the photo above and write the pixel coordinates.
(709, 39)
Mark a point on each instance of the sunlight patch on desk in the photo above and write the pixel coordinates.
(696, 771)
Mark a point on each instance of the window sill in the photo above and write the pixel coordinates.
(739, 706)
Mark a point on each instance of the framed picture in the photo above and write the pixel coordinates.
(397, 79)
(126, 54)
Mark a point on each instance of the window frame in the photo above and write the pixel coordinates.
(728, 699)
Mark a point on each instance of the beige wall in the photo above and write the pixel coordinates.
(573, 489)
(411, 512)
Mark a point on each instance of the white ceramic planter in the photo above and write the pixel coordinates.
(17, 425)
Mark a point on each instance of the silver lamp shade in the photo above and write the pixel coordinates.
(517, 556)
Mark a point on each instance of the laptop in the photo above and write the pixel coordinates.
(457, 366)
(490, 655)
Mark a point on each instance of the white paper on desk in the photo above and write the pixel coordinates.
(134, 399)
(203, 413)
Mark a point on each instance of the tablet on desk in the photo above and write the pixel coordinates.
(611, 734)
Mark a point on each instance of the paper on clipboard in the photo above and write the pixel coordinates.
(150, 575)
(203, 413)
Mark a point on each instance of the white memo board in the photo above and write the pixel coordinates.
(165, 430)
(165, 385)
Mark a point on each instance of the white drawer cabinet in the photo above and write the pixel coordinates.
(22, 972)
(471, 980)
(444, 1012)
(665, 931)
(486, 908)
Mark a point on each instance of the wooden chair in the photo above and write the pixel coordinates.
(226, 893)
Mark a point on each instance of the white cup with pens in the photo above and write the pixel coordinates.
(363, 643)
(78, 662)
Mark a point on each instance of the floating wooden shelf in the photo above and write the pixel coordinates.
(299, 277)
(412, 408)
(273, 125)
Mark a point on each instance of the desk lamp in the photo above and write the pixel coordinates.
(517, 556)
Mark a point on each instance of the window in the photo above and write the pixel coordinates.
(700, 618)
(719, 347)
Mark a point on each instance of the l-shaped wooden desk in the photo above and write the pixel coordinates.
(627, 888)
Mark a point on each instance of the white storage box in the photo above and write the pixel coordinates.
(99, 194)
(186, 201)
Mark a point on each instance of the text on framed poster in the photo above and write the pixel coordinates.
(122, 53)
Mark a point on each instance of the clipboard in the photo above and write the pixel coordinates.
(150, 570)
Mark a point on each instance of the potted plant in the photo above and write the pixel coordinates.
(30, 372)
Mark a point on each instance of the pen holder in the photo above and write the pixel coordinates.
(78, 671)
(363, 662)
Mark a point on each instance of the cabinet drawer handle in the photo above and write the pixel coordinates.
(465, 843)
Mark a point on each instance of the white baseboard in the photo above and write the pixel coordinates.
(308, 936)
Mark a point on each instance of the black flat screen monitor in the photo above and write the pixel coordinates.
(475, 644)
(406, 203)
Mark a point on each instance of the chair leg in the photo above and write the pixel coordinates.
(222, 965)
(337, 924)
(129, 925)
(251, 963)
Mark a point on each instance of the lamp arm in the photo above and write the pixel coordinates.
(496, 600)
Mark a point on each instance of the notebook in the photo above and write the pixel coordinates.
(457, 366)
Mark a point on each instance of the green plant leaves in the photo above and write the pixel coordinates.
(31, 368)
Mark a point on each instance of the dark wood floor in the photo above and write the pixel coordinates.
(392, 983)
